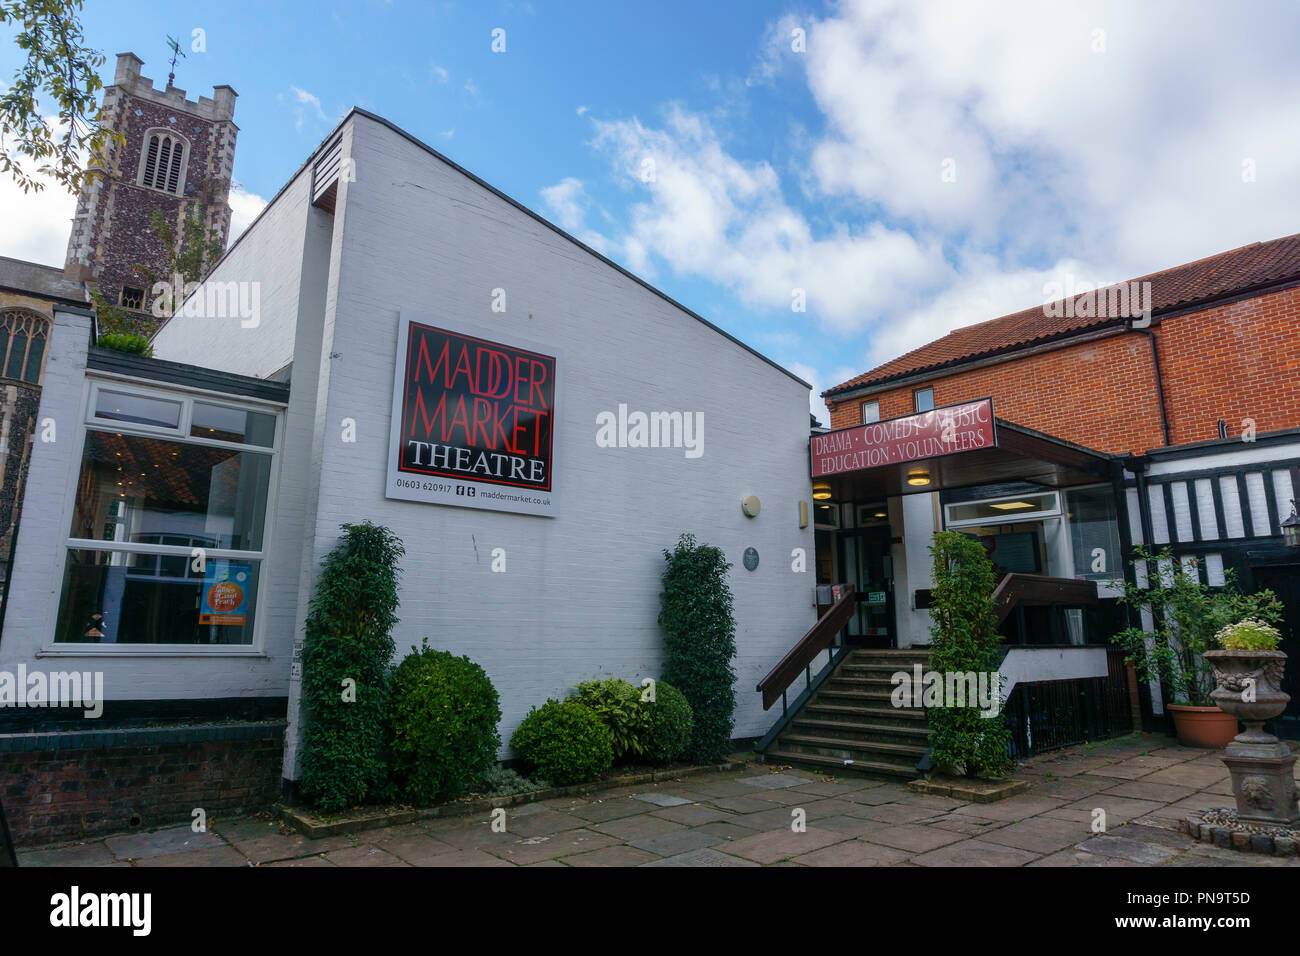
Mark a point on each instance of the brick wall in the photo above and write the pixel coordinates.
(67, 793)
(1230, 362)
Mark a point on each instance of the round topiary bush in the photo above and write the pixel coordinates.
(564, 742)
(669, 721)
(445, 713)
(618, 704)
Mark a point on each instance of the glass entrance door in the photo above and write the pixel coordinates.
(867, 565)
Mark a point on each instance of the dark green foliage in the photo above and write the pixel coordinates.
(696, 613)
(349, 638)
(445, 716)
(564, 742)
(618, 704)
(500, 781)
(1185, 615)
(966, 639)
(668, 724)
(126, 342)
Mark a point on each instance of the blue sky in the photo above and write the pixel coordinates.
(908, 167)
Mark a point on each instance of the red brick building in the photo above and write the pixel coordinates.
(1225, 333)
(1162, 412)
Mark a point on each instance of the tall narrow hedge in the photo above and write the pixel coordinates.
(696, 614)
(349, 639)
(965, 633)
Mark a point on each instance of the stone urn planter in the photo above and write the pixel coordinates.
(1195, 726)
(1247, 686)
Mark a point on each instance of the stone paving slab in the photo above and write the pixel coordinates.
(742, 817)
(976, 852)
(853, 853)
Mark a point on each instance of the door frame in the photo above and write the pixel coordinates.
(885, 534)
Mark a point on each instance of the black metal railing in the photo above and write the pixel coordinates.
(1048, 715)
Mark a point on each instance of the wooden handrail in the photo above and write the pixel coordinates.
(809, 646)
(1039, 589)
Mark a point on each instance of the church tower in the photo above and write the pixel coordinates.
(176, 161)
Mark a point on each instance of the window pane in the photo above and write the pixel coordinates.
(1002, 511)
(925, 400)
(870, 412)
(114, 598)
(140, 409)
(153, 491)
(34, 353)
(232, 424)
(17, 355)
(1094, 533)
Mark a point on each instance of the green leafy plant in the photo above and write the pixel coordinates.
(126, 342)
(618, 704)
(1248, 635)
(668, 724)
(445, 713)
(62, 73)
(499, 781)
(564, 742)
(345, 657)
(1185, 615)
(965, 640)
(696, 614)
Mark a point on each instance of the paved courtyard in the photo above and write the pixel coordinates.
(1144, 784)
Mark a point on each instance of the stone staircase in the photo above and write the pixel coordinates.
(850, 724)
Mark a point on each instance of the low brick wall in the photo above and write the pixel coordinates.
(66, 785)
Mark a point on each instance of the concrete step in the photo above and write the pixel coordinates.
(907, 754)
(918, 735)
(838, 709)
(869, 768)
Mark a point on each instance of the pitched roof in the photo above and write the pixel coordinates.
(42, 281)
(1238, 270)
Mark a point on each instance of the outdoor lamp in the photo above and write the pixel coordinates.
(821, 491)
(1291, 529)
(918, 477)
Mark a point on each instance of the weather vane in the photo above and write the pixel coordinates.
(176, 51)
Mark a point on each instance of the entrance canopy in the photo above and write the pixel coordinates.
(910, 455)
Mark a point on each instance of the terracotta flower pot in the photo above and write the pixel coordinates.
(1203, 726)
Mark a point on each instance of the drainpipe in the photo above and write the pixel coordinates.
(1160, 388)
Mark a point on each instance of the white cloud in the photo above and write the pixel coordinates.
(306, 106)
(35, 225)
(440, 72)
(712, 215)
(244, 208)
(1103, 155)
(583, 110)
(567, 203)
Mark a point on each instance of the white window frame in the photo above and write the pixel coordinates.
(1015, 517)
(876, 418)
(916, 409)
(187, 397)
(161, 131)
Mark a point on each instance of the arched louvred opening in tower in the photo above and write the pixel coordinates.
(151, 161)
(162, 164)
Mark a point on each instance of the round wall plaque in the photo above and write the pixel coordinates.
(751, 559)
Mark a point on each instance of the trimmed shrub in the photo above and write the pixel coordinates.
(564, 742)
(965, 640)
(345, 660)
(668, 724)
(445, 716)
(696, 612)
(126, 342)
(618, 704)
(501, 781)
